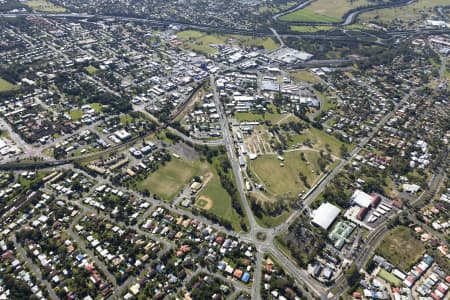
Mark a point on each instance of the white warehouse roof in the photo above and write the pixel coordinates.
(325, 215)
(361, 199)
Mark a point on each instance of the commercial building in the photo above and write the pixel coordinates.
(325, 215)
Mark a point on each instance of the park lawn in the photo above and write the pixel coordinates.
(317, 28)
(268, 43)
(273, 116)
(26, 183)
(4, 133)
(269, 222)
(277, 8)
(413, 12)
(44, 6)
(325, 103)
(97, 107)
(190, 34)
(319, 140)
(170, 179)
(336, 8)
(401, 248)
(76, 114)
(91, 69)
(306, 28)
(389, 277)
(248, 117)
(285, 180)
(306, 15)
(125, 118)
(305, 76)
(6, 86)
(201, 41)
(220, 200)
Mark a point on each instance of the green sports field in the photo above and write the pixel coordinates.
(285, 180)
(170, 179)
(44, 6)
(306, 15)
(6, 86)
(325, 11)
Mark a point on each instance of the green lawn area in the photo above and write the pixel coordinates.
(91, 70)
(4, 133)
(319, 140)
(26, 183)
(170, 179)
(269, 222)
(306, 28)
(76, 114)
(200, 41)
(6, 86)
(273, 116)
(336, 8)
(220, 201)
(215, 199)
(125, 118)
(97, 107)
(285, 180)
(277, 8)
(250, 41)
(307, 15)
(326, 104)
(306, 76)
(406, 13)
(401, 248)
(44, 6)
(389, 277)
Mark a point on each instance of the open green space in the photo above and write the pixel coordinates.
(277, 8)
(27, 183)
(305, 28)
(401, 248)
(389, 277)
(269, 222)
(91, 69)
(306, 15)
(76, 114)
(97, 107)
(6, 86)
(170, 179)
(272, 116)
(125, 118)
(285, 180)
(44, 6)
(318, 139)
(317, 28)
(250, 41)
(203, 42)
(336, 8)
(216, 200)
(325, 101)
(305, 76)
(416, 11)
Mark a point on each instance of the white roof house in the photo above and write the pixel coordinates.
(325, 215)
(361, 199)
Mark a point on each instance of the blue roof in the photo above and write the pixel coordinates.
(80, 257)
(246, 277)
(428, 259)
